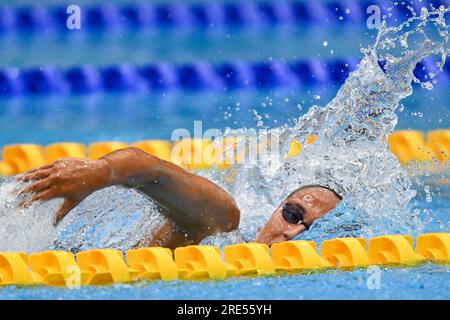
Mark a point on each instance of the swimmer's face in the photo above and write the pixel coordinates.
(298, 210)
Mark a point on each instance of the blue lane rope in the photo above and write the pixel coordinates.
(208, 15)
(195, 76)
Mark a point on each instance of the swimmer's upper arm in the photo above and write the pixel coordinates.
(194, 203)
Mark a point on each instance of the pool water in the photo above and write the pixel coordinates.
(47, 120)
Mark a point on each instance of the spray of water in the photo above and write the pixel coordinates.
(349, 155)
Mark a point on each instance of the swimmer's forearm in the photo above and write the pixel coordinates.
(130, 167)
(192, 201)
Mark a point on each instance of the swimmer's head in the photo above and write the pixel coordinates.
(297, 212)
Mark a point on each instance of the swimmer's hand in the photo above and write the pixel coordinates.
(71, 179)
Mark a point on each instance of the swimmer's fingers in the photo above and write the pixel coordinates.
(42, 196)
(45, 195)
(43, 192)
(36, 174)
(68, 205)
(32, 175)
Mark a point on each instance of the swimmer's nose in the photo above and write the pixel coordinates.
(291, 234)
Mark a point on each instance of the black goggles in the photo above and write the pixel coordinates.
(293, 214)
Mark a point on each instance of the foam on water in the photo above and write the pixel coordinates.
(349, 155)
(22, 229)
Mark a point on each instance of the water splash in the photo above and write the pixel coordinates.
(349, 155)
(110, 218)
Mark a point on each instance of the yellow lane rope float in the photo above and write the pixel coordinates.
(198, 262)
(408, 145)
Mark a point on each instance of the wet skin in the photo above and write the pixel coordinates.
(193, 206)
(315, 202)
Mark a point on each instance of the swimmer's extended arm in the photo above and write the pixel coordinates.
(194, 204)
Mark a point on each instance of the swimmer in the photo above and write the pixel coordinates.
(194, 206)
